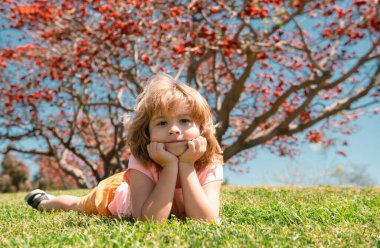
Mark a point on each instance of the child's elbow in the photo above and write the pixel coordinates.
(211, 218)
(214, 219)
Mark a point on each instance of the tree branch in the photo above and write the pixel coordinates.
(76, 173)
(331, 110)
(106, 104)
(232, 97)
(290, 18)
(364, 105)
(307, 49)
(32, 152)
(241, 143)
(233, 148)
(95, 135)
(27, 134)
(67, 146)
(338, 106)
(193, 66)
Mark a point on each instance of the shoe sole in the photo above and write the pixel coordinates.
(33, 192)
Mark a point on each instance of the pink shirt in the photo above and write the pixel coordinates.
(121, 205)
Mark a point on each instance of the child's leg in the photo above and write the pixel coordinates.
(95, 202)
(40, 200)
(62, 202)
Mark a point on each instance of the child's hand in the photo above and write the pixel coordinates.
(159, 155)
(196, 148)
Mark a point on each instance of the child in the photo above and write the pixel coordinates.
(175, 167)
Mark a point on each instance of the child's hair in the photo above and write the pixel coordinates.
(161, 94)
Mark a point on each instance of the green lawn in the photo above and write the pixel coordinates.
(252, 216)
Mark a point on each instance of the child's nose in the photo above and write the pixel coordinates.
(174, 130)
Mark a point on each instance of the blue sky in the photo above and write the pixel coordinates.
(363, 149)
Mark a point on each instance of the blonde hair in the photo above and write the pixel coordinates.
(161, 94)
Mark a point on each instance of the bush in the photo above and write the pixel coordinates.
(15, 175)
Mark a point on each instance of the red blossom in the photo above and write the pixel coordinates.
(264, 13)
(314, 136)
(339, 31)
(214, 9)
(305, 117)
(26, 10)
(102, 23)
(360, 2)
(104, 8)
(297, 4)
(251, 11)
(263, 55)
(179, 49)
(36, 95)
(167, 26)
(145, 58)
(48, 97)
(375, 22)
(340, 152)
(174, 12)
(327, 33)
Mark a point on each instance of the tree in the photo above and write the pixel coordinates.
(271, 71)
(51, 176)
(351, 174)
(14, 176)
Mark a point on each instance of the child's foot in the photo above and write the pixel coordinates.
(35, 197)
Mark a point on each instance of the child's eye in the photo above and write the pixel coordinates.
(161, 123)
(185, 120)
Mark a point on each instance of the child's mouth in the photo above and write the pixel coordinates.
(176, 141)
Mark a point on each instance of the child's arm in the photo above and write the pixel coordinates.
(151, 201)
(200, 202)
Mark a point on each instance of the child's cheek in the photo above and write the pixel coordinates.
(194, 133)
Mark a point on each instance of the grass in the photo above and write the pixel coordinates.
(252, 216)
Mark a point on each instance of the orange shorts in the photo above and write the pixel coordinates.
(97, 201)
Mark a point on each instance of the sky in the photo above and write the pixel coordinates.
(363, 150)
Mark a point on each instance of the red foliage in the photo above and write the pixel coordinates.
(81, 63)
(375, 22)
(253, 10)
(314, 136)
(50, 171)
(340, 152)
(297, 3)
(360, 2)
(145, 59)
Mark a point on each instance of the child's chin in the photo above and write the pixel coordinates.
(176, 148)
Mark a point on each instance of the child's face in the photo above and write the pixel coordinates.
(174, 129)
